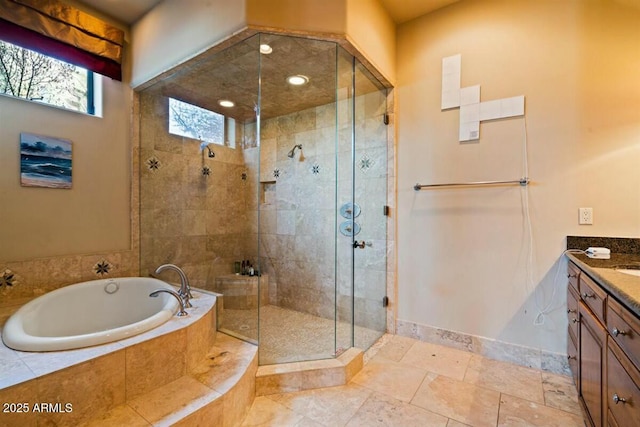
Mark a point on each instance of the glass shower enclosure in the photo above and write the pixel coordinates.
(276, 198)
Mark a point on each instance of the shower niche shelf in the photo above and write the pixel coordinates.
(267, 192)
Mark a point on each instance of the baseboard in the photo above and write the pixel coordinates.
(493, 349)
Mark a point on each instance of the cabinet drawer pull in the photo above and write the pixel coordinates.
(617, 399)
(569, 357)
(569, 276)
(574, 320)
(569, 311)
(586, 295)
(615, 332)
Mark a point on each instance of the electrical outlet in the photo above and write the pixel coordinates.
(586, 216)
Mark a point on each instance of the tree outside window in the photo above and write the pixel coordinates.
(36, 77)
(197, 123)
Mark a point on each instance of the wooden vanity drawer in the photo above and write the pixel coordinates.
(623, 389)
(573, 275)
(624, 328)
(572, 311)
(593, 296)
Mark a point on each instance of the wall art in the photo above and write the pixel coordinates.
(45, 161)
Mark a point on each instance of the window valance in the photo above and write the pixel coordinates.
(56, 29)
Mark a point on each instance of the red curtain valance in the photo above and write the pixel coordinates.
(61, 31)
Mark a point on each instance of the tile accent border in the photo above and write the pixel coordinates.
(493, 349)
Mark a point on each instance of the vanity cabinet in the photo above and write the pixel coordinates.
(573, 339)
(593, 344)
(623, 366)
(604, 338)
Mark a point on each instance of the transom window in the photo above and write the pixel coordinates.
(36, 77)
(198, 123)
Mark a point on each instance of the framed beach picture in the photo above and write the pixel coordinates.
(44, 161)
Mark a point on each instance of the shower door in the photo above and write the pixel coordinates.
(362, 200)
(370, 195)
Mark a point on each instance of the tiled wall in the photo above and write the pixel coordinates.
(301, 249)
(195, 210)
(297, 209)
(21, 281)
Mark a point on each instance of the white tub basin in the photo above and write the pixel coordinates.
(89, 313)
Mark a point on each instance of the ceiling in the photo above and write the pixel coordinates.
(406, 10)
(235, 73)
(125, 11)
(129, 11)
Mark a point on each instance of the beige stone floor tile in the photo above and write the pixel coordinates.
(454, 423)
(438, 359)
(266, 412)
(391, 378)
(505, 378)
(560, 393)
(515, 411)
(459, 400)
(307, 422)
(380, 409)
(396, 348)
(337, 404)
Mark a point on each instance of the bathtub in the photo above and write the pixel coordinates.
(89, 313)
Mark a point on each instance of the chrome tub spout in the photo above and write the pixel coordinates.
(182, 312)
(185, 289)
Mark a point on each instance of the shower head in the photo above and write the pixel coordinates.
(204, 145)
(293, 150)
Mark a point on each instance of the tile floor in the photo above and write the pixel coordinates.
(412, 383)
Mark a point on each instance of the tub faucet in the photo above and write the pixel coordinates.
(182, 312)
(185, 289)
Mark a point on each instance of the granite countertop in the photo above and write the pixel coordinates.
(624, 287)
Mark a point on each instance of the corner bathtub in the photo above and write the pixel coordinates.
(89, 313)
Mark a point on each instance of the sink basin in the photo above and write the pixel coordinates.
(628, 271)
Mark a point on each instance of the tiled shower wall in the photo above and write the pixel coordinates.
(301, 249)
(195, 210)
(297, 210)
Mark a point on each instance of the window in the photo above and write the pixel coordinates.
(30, 75)
(201, 124)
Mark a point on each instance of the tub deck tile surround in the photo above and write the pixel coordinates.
(77, 376)
(37, 364)
(219, 392)
(154, 363)
(102, 377)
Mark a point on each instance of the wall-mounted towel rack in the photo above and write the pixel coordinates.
(523, 182)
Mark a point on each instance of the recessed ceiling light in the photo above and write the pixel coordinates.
(298, 80)
(265, 49)
(226, 103)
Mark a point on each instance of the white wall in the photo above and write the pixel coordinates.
(463, 252)
(92, 216)
(177, 30)
(372, 31)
